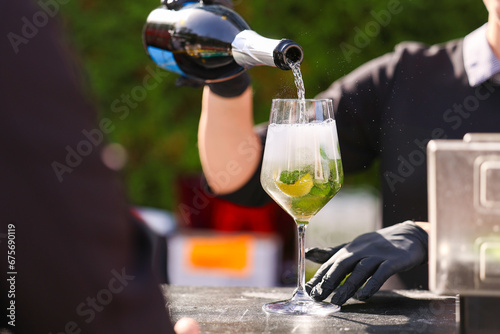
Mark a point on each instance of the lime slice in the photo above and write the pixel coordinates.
(300, 188)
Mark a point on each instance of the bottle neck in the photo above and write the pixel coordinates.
(251, 49)
(287, 52)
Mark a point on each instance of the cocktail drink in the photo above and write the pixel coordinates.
(301, 171)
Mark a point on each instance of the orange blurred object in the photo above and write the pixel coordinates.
(229, 253)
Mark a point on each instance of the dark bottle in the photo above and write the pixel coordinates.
(210, 42)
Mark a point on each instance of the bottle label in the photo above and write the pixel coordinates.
(164, 59)
(251, 49)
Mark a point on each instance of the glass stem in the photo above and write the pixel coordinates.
(300, 292)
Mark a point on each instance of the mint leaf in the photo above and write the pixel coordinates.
(291, 177)
(310, 204)
(323, 153)
(321, 189)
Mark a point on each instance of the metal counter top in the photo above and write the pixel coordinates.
(239, 310)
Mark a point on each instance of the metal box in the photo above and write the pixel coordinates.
(464, 215)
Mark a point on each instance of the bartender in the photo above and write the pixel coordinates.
(386, 110)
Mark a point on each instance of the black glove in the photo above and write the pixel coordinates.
(189, 82)
(232, 87)
(374, 256)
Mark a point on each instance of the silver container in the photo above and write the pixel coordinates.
(464, 214)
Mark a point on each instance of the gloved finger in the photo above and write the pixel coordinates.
(382, 274)
(325, 267)
(321, 255)
(318, 276)
(332, 278)
(361, 273)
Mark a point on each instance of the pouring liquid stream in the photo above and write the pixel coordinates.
(301, 91)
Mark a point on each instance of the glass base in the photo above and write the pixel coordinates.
(302, 306)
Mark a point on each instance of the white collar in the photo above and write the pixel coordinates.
(480, 62)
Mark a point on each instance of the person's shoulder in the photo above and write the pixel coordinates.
(418, 50)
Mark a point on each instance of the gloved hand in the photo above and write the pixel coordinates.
(189, 82)
(230, 88)
(372, 256)
(233, 87)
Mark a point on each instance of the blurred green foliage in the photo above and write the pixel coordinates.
(159, 127)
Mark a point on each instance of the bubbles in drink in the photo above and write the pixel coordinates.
(301, 144)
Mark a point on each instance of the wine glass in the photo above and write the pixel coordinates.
(301, 171)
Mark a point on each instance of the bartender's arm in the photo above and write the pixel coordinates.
(230, 150)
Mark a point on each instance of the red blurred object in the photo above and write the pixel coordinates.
(197, 208)
(227, 216)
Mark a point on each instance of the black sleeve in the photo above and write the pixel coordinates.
(359, 99)
(80, 260)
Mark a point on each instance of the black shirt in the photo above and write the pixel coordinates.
(392, 106)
